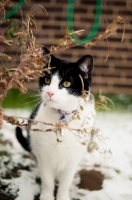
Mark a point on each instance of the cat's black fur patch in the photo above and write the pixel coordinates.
(25, 141)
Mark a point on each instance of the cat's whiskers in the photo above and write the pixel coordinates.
(34, 101)
(28, 97)
(36, 104)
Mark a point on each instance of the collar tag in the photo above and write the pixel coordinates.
(63, 118)
(61, 132)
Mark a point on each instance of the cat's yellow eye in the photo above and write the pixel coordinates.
(47, 80)
(66, 84)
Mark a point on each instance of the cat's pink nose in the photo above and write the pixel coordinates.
(50, 94)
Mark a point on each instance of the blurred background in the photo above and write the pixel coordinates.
(114, 76)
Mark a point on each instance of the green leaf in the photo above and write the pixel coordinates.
(81, 107)
(78, 117)
(85, 131)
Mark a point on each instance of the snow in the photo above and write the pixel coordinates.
(113, 160)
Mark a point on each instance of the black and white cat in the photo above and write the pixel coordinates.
(62, 102)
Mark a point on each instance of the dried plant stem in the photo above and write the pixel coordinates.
(34, 121)
(108, 50)
(8, 86)
(84, 92)
(2, 5)
(61, 49)
(82, 82)
(68, 42)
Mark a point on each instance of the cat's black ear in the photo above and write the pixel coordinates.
(46, 52)
(85, 65)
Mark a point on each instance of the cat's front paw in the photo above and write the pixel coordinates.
(46, 197)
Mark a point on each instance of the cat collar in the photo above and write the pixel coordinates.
(63, 114)
(63, 118)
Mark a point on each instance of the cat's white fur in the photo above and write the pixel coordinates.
(59, 160)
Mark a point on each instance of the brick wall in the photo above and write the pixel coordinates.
(114, 75)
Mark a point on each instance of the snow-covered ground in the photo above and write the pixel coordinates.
(113, 160)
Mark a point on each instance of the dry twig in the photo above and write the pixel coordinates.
(102, 102)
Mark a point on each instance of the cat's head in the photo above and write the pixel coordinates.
(62, 87)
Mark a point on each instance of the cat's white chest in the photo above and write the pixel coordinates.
(59, 148)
